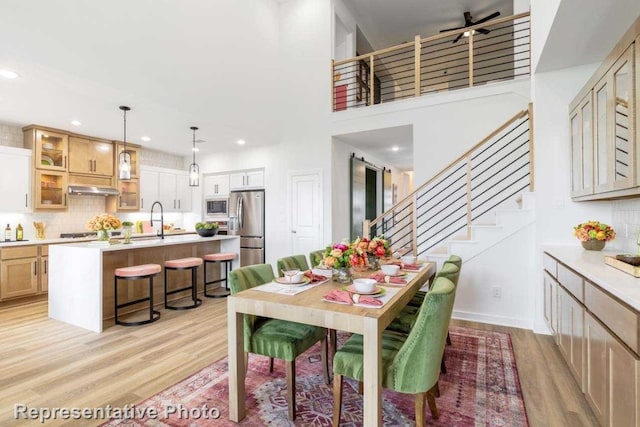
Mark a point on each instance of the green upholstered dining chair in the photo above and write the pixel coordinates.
(279, 339)
(407, 317)
(416, 301)
(290, 262)
(410, 363)
(316, 257)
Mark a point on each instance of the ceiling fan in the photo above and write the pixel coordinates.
(468, 23)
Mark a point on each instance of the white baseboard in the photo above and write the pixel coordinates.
(542, 329)
(512, 322)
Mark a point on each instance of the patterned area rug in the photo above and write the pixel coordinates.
(481, 388)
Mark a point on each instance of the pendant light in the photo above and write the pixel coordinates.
(124, 158)
(194, 169)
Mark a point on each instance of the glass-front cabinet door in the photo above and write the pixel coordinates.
(582, 166)
(603, 122)
(51, 150)
(50, 190)
(129, 198)
(623, 122)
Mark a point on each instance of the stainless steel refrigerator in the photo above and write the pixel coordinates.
(246, 219)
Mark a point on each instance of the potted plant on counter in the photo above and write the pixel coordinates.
(594, 234)
(207, 229)
(126, 231)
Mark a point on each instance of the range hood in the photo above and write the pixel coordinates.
(85, 190)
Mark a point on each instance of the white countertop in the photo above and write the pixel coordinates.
(591, 265)
(151, 242)
(59, 240)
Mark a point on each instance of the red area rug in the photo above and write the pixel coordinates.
(481, 388)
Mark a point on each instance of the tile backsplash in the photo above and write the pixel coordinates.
(82, 208)
(626, 223)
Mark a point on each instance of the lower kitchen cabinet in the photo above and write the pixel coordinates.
(18, 272)
(24, 271)
(570, 332)
(598, 337)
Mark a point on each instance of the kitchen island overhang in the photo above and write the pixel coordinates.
(81, 290)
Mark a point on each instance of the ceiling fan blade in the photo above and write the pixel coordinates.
(483, 30)
(451, 29)
(486, 18)
(457, 38)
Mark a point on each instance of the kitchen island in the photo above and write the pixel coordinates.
(81, 275)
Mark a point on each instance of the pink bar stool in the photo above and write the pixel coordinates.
(145, 271)
(225, 259)
(192, 264)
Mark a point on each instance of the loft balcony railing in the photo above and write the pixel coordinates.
(435, 64)
(490, 173)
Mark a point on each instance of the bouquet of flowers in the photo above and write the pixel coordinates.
(344, 254)
(103, 223)
(379, 246)
(593, 230)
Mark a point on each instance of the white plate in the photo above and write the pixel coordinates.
(46, 160)
(284, 281)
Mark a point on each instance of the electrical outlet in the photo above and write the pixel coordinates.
(496, 292)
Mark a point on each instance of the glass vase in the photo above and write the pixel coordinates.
(374, 263)
(342, 275)
(126, 233)
(103, 235)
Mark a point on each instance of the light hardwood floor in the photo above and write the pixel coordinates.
(46, 363)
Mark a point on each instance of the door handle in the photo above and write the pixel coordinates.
(174, 203)
(35, 268)
(65, 162)
(141, 202)
(45, 266)
(294, 231)
(90, 166)
(26, 200)
(95, 166)
(179, 204)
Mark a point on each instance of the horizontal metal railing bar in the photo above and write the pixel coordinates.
(506, 38)
(435, 64)
(377, 52)
(445, 228)
(433, 215)
(405, 235)
(437, 176)
(508, 55)
(409, 54)
(478, 82)
(485, 38)
(507, 197)
(391, 70)
(506, 134)
(511, 69)
(425, 51)
(498, 193)
(516, 168)
(499, 160)
(502, 70)
(436, 184)
(512, 49)
(444, 238)
(432, 199)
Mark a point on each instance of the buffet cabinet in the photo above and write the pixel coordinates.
(598, 337)
(603, 122)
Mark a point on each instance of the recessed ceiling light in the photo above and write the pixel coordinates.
(145, 139)
(75, 122)
(395, 148)
(241, 142)
(8, 74)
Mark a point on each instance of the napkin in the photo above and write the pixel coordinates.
(315, 278)
(381, 278)
(366, 300)
(338, 295)
(415, 267)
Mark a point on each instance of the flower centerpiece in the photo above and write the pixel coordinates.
(593, 234)
(103, 223)
(374, 249)
(342, 256)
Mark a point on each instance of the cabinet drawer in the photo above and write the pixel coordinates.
(622, 321)
(550, 264)
(19, 252)
(44, 250)
(571, 281)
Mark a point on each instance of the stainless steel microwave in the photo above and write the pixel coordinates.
(217, 207)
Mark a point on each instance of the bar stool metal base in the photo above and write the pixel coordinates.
(220, 292)
(194, 289)
(153, 314)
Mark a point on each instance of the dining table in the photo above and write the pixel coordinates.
(308, 307)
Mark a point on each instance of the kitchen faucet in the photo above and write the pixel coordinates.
(161, 218)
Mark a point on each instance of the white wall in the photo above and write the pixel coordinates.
(555, 212)
(542, 16)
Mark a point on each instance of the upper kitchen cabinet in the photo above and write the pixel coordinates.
(128, 198)
(50, 189)
(581, 120)
(15, 180)
(134, 152)
(50, 149)
(247, 180)
(90, 157)
(168, 186)
(605, 162)
(216, 185)
(149, 187)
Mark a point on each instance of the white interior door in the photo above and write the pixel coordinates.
(305, 196)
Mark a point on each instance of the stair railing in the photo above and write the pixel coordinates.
(434, 64)
(493, 171)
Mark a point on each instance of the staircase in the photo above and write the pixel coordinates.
(480, 199)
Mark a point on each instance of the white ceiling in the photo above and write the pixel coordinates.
(177, 64)
(378, 143)
(386, 23)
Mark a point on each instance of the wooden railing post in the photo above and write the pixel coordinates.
(414, 219)
(417, 53)
(470, 58)
(366, 228)
(371, 81)
(531, 166)
(469, 217)
(333, 84)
